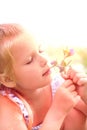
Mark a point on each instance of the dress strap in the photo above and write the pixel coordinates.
(10, 93)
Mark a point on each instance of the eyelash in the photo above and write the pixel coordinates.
(40, 51)
(30, 61)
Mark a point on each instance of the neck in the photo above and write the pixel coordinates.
(39, 101)
(34, 95)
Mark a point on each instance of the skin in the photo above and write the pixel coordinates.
(79, 78)
(11, 116)
(32, 80)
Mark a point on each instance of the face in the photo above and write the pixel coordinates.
(31, 68)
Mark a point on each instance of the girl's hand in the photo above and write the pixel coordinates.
(66, 97)
(64, 100)
(79, 78)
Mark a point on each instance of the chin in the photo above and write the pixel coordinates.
(47, 81)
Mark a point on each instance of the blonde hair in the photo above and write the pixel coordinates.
(8, 34)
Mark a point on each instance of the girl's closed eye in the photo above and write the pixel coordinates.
(41, 51)
(29, 60)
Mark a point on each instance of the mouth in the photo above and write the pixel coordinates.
(47, 72)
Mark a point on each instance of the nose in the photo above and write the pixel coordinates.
(43, 60)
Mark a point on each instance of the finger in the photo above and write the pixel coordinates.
(74, 93)
(71, 88)
(78, 76)
(67, 74)
(67, 83)
(82, 81)
(77, 99)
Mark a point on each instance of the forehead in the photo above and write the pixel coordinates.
(24, 45)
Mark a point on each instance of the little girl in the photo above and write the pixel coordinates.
(30, 99)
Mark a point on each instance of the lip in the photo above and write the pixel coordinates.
(47, 72)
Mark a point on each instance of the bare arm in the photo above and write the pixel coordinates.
(10, 116)
(64, 101)
(81, 106)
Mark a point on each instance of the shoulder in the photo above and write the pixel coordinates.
(7, 105)
(10, 115)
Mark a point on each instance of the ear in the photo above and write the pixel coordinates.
(7, 81)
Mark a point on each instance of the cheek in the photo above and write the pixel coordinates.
(29, 80)
(27, 75)
(32, 73)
